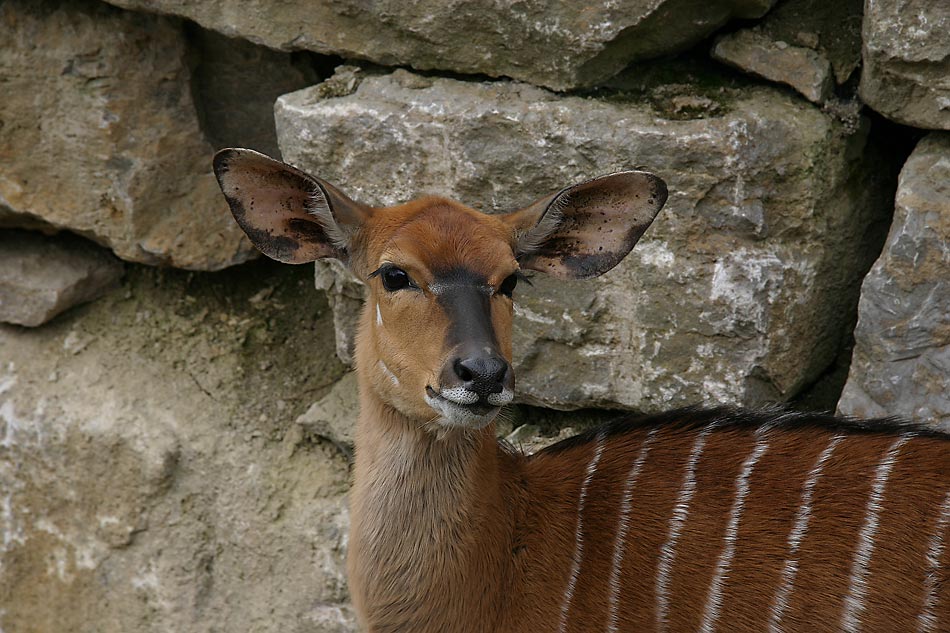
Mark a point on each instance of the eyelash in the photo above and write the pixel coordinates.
(515, 277)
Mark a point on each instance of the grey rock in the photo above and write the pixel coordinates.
(236, 84)
(99, 134)
(148, 467)
(741, 290)
(334, 416)
(43, 276)
(832, 30)
(523, 433)
(901, 361)
(800, 67)
(558, 45)
(906, 74)
(810, 45)
(529, 439)
(345, 294)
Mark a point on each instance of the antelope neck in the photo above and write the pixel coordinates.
(428, 518)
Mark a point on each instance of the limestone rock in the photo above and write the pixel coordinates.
(810, 45)
(236, 84)
(901, 361)
(906, 74)
(345, 294)
(43, 276)
(800, 67)
(741, 290)
(149, 476)
(528, 438)
(98, 134)
(334, 416)
(559, 45)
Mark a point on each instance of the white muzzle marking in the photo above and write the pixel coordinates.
(460, 395)
(502, 398)
(454, 411)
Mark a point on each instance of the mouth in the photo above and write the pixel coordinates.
(460, 407)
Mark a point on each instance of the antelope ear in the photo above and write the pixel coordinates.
(288, 215)
(585, 230)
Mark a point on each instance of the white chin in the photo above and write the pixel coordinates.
(452, 415)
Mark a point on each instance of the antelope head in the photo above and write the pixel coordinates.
(435, 337)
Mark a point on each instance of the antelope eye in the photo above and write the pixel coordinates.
(508, 285)
(395, 279)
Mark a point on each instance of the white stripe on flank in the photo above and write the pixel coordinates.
(620, 542)
(714, 600)
(579, 534)
(795, 537)
(680, 513)
(927, 620)
(857, 589)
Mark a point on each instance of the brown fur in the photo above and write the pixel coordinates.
(454, 533)
(482, 540)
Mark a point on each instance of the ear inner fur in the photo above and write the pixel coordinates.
(585, 230)
(288, 215)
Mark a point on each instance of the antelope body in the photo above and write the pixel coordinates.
(694, 520)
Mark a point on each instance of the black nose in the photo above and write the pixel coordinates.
(482, 374)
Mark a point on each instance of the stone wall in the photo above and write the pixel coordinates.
(176, 419)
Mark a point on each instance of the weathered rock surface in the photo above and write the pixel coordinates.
(41, 277)
(809, 45)
(906, 74)
(150, 475)
(236, 84)
(559, 45)
(901, 361)
(797, 66)
(98, 134)
(740, 291)
(333, 417)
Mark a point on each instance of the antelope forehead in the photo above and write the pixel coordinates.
(447, 239)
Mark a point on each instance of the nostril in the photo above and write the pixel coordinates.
(497, 368)
(483, 375)
(464, 373)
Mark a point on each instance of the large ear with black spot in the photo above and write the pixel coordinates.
(585, 230)
(288, 215)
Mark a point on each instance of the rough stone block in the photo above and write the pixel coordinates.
(740, 291)
(334, 416)
(810, 45)
(901, 361)
(99, 134)
(797, 66)
(236, 84)
(43, 276)
(558, 45)
(906, 74)
(150, 479)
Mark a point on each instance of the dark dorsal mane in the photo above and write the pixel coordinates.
(778, 417)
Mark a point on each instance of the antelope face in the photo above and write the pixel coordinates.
(435, 338)
(438, 316)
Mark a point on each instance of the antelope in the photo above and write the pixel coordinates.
(691, 520)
